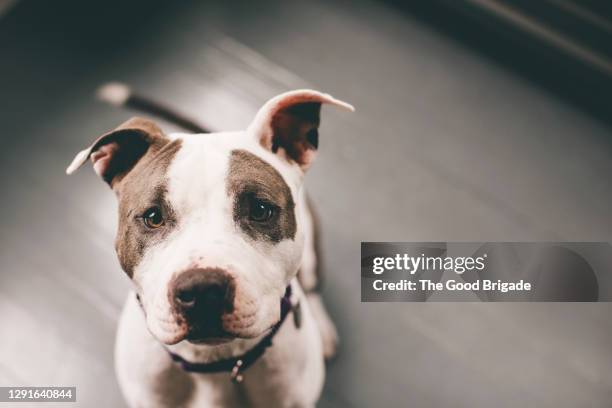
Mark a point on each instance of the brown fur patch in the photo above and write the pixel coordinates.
(132, 139)
(250, 176)
(143, 187)
(295, 129)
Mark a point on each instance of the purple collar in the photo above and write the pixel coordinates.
(236, 365)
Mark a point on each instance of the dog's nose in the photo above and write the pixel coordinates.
(203, 295)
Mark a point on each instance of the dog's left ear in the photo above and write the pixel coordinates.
(115, 153)
(288, 124)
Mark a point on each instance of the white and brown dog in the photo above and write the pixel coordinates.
(216, 233)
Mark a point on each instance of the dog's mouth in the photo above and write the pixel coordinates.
(210, 341)
(208, 332)
(207, 335)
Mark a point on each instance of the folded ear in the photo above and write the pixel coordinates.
(115, 153)
(288, 124)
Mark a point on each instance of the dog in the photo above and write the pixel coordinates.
(219, 240)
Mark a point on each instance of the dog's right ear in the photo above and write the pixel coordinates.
(115, 153)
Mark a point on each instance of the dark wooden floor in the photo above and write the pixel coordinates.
(444, 145)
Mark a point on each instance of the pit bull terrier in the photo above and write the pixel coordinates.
(218, 238)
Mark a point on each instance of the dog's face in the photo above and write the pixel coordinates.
(208, 224)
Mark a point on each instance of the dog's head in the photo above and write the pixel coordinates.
(208, 228)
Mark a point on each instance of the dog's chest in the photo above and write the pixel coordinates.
(216, 390)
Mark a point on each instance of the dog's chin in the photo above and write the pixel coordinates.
(170, 339)
(221, 337)
(209, 335)
(210, 341)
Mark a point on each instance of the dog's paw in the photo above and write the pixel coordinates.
(327, 329)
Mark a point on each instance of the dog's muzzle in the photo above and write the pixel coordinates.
(200, 297)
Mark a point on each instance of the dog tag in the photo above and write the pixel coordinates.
(236, 376)
(297, 315)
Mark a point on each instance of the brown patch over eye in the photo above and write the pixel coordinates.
(142, 189)
(263, 204)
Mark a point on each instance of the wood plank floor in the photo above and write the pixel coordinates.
(444, 145)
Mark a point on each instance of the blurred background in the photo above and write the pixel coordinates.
(481, 120)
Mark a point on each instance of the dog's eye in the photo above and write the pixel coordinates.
(259, 210)
(153, 217)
